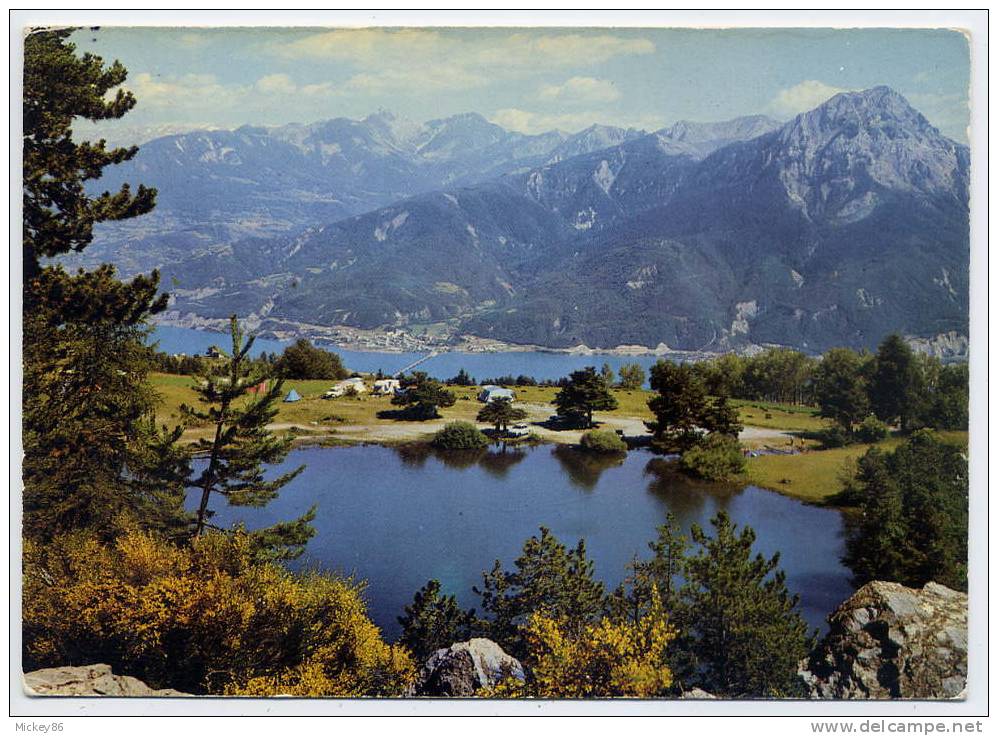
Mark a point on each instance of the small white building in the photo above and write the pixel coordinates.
(342, 388)
(386, 386)
(491, 393)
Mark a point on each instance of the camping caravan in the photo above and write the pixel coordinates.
(386, 387)
(489, 394)
(342, 388)
(292, 397)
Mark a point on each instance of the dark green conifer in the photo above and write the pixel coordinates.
(241, 445)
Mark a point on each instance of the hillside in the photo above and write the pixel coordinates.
(848, 222)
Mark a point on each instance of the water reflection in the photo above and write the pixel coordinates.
(496, 460)
(687, 498)
(498, 463)
(583, 468)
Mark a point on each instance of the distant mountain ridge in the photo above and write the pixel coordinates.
(848, 222)
(217, 187)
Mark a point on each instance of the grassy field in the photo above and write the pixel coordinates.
(811, 476)
(816, 475)
(787, 417)
(175, 390)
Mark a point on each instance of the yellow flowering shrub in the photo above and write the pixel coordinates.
(606, 659)
(203, 619)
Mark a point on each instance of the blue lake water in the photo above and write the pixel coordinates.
(397, 517)
(540, 365)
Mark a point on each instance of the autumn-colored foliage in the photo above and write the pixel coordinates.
(203, 619)
(606, 659)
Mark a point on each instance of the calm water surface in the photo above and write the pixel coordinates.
(398, 517)
(542, 366)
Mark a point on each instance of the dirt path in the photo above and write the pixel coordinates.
(537, 414)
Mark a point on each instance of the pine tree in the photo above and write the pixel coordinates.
(59, 217)
(840, 388)
(434, 621)
(421, 397)
(585, 392)
(660, 574)
(92, 456)
(241, 445)
(896, 386)
(744, 629)
(683, 410)
(500, 413)
(550, 580)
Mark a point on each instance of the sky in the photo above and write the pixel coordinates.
(526, 79)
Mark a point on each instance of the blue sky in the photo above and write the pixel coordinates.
(530, 80)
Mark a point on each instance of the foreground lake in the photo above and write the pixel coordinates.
(397, 517)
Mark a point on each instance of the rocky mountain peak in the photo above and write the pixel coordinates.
(839, 158)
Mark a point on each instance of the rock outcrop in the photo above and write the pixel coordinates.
(465, 667)
(890, 641)
(90, 680)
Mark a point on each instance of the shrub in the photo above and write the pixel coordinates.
(834, 436)
(604, 660)
(871, 430)
(304, 361)
(204, 619)
(603, 440)
(460, 436)
(718, 457)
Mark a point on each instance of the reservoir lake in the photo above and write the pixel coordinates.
(540, 365)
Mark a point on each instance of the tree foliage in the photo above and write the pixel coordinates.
(203, 619)
(914, 504)
(606, 659)
(304, 361)
(500, 413)
(683, 411)
(59, 86)
(896, 383)
(92, 455)
(585, 392)
(549, 579)
(841, 389)
(631, 376)
(737, 629)
(421, 397)
(240, 445)
(434, 621)
(717, 458)
(744, 631)
(460, 436)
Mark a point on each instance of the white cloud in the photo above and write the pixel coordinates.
(280, 84)
(950, 113)
(580, 89)
(189, 90)
(573, 49)
(395, 59)
(407, 78)
(802, 97)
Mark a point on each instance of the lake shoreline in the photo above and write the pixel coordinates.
(394, 342)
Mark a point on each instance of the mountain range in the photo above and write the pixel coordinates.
(837, 227)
